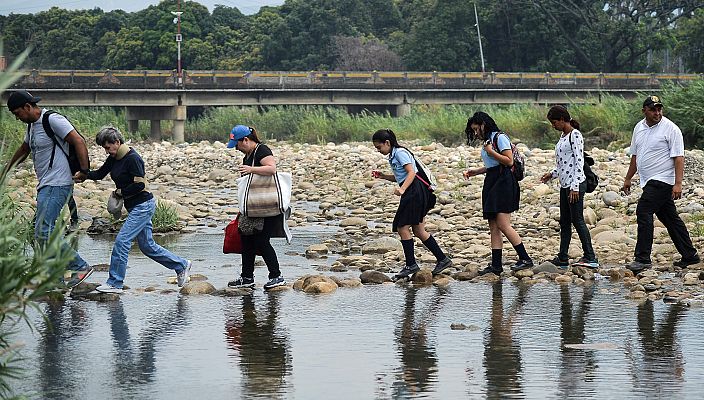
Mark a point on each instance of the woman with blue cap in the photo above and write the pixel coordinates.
(256, 232)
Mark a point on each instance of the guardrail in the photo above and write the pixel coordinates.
(194, 80)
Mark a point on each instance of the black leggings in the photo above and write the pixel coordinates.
(259, 243)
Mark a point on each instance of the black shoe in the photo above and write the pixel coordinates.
(491, 270)
(77, 277)
(637, 266)
(242, 282)
(685, 262)
(406, 271)
(442, 265)
(522, 264)
(560, 263)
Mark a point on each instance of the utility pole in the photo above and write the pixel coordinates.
(479, 36)
(177, 21)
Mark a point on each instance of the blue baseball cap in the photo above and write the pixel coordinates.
(238, 133)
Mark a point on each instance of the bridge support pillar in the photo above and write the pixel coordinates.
(401, 110)
(155, 130)
(156, 114)
(179, 133)
(132, 125)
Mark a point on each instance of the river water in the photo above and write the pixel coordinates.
(374, 342)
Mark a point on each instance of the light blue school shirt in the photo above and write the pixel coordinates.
(398, 158)
(503, 143)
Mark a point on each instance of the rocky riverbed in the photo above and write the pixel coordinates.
(333, 185)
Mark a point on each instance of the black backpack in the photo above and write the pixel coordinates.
(73, 162)
(592, 178)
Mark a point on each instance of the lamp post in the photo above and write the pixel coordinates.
(479, 36)
(177, 21)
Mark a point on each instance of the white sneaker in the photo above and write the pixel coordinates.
(182, 277)
(105, 288)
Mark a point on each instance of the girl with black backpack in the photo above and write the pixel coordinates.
(417, 199)
(569, 168)
(501, 193)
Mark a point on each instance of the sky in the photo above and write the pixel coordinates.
(33, 6)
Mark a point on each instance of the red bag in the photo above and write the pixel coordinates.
(233, 241)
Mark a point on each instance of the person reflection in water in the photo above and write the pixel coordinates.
(59, 362)
(419, 360)
(502, 353)
(263, 349)
(659, 370)
(577, 365)
(136, 363)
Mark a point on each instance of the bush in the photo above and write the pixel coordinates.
(165, 218)
(685, 106)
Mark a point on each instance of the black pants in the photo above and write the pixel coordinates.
(259, 243)
(73, 209)
(572, 214)
(657, 199)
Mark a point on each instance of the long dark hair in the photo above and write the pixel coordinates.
(253, 135)
(383, 135)
(560, 113)
(479, 118)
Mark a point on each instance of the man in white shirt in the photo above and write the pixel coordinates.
(657, 153)
(52, 168)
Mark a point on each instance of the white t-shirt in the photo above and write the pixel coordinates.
(42, 146)
(654, 148)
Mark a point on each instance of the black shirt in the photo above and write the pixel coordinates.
(261, 151)
(123, 172)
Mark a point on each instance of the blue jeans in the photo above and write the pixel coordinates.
(50, 201)
(139, 225)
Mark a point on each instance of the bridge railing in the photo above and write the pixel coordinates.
(195, 80)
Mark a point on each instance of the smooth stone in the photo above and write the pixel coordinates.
(321, 287)
(193, 288)
(373, 277)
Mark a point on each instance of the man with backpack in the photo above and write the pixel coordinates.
(50, 155)
(657, 154)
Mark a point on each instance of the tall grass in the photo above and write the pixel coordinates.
(609, 122)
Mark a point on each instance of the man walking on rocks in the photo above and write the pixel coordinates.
(51, 165)
(657, 154)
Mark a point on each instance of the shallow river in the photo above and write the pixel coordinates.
(382, 342)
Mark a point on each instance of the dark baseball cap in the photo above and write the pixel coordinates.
(652, 101)
(20, 98)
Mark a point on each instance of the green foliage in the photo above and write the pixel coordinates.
(685, 106)
(165, 218)
(521, 35)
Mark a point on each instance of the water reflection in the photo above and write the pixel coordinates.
(659, 369)
(502, 353)
(577, 366)
(263, 350)
(418, 356)
(136, 364)
(58, 334)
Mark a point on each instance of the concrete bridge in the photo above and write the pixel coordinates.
(163, 95)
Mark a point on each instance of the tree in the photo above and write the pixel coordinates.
(614, 35)
(443, 40)
(364, 54)
(690, 36)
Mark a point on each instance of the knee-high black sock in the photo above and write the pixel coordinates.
(522, 253)
(434, 248)
(496, 258)
(408, 251)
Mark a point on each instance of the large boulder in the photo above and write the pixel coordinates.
(197, 287)
(381, 245)
(373, 277)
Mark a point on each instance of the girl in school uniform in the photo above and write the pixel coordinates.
(501, 193)
(416, 200)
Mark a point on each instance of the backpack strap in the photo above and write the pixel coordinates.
(50, 132)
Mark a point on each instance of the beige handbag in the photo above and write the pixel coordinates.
(264, 195)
